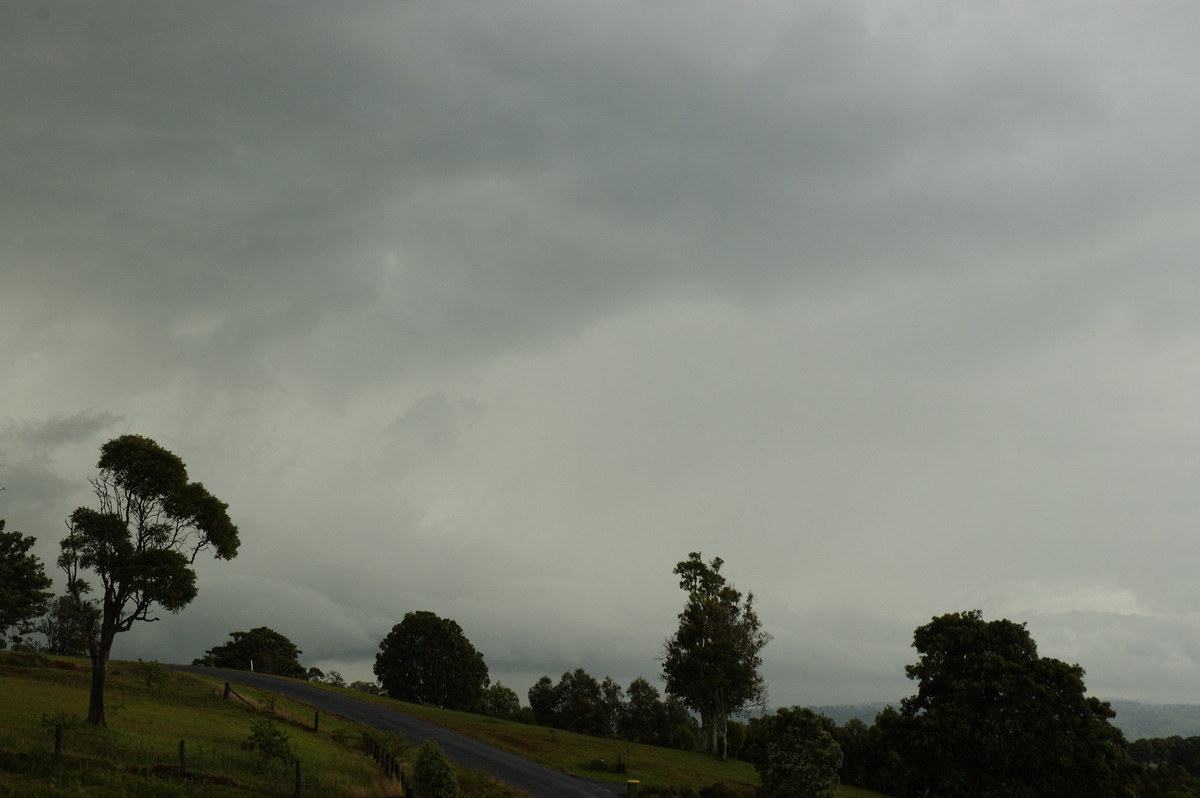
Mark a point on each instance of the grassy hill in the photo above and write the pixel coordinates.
(151, 710)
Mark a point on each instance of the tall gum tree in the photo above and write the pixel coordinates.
(712, 660)
(140, 544)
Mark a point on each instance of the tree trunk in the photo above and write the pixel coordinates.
(96, 715)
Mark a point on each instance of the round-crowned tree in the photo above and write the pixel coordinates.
(23, 583)
(261, 649)
(795, 753)
(993, 717)
(428, 660)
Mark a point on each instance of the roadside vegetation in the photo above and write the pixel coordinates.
(665, 771)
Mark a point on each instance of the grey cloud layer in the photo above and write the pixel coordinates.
(502, 308)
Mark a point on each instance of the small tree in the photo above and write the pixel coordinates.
(263, 648)
(502, 702)
(543, 701)
(613, 699)
(23, 585)
(433, 775)
(269, 742)
(428, 660)
(141, 543)
(642, 717)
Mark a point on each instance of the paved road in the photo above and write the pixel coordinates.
(534, 779)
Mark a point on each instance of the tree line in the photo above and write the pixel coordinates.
(990, 716)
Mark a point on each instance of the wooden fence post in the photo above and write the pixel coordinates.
(57, 739)
(182, 760)
(297, 778)
(317, 721)
(226, 696)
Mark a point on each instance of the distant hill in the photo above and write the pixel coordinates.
(1140, 720)
(843, 712)
(1135, 719)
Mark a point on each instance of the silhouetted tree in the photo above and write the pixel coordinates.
(612, 698)
(141, 543)
(23, 585)
(428, 660)
(576, 703)
(262, 650)
(991, 717)
(543, 700)
(643, 717)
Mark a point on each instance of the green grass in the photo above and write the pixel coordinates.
(138, 753)
(654, 767)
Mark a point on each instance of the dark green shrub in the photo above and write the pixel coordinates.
(26, 659)
(433, 776)
(269, 742)
(152, 674)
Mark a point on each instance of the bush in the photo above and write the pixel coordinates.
(604, 766)
(60, 720)
(269, 741)
(152, 674)
(26, 659)
(433, 776)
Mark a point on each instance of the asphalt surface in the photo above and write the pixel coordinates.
(537, 780)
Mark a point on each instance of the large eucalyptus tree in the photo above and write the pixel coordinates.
(140, 543)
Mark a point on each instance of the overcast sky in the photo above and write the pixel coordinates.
(499, 309)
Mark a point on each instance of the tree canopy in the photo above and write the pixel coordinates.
(712, 660)
(428, 660)
(68, 626)
(577, 703)
(262, 650)
(23, 584)
(502, 702)
(140, 543)
(991, 717)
